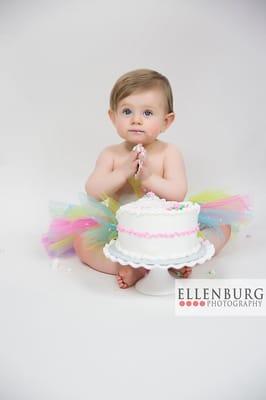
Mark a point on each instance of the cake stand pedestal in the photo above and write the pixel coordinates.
(158, 281)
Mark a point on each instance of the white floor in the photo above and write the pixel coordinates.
(68, 332)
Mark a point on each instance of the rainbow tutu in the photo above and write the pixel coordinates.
(96, 221)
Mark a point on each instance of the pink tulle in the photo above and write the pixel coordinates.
(237, 203)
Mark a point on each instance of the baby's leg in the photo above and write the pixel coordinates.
(218, 239)
(95, 258)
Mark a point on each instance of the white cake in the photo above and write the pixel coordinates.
(157, 229)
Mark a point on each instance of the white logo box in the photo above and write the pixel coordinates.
(220, 297)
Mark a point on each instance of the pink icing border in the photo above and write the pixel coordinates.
(157, 235)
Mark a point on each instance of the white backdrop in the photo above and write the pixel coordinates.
(69, 332)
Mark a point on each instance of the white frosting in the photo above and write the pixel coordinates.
(153, 215)
(152, 204)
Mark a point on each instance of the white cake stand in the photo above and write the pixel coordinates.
(158, 281)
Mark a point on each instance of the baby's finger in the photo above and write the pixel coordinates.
(144, 162)
(135, 166)
(136, 163)
(133, 155)
(142, 156)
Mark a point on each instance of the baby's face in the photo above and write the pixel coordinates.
(141, 117)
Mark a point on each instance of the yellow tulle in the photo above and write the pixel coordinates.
(208, 196)
(62, 243)
(136, 186)
(111, 203)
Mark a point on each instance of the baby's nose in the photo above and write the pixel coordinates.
(137, 118)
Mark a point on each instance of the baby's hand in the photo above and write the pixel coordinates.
(145, 171)
(130, 166)
(141, 157)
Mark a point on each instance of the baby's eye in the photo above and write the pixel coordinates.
(126, 111)
(147, 113)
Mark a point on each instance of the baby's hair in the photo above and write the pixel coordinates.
(137, 81)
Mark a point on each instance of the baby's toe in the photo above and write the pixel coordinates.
(187, 272)
(119, 280)
(124, 286)
(121, 283)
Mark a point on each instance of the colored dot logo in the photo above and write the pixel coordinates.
(193, 303)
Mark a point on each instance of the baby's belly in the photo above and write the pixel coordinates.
(125, 198)
(126, 194)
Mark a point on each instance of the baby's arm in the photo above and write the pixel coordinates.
(107, 180)
(173, 185)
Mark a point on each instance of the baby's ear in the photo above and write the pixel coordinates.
(111, 115)
(169, 118)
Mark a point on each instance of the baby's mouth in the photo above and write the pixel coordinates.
(137, 131)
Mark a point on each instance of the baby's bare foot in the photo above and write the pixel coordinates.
(128, 276)
(184, 272)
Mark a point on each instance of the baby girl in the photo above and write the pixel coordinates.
(141, 110)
